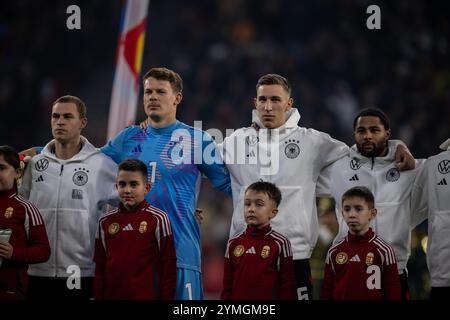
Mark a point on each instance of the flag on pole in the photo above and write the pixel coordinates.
(125, 91)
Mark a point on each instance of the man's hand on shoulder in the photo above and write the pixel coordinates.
(404, 160)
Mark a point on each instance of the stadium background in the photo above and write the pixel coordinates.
(221, 47)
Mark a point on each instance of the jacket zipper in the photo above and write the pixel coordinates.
(374, 179)
(56, 220)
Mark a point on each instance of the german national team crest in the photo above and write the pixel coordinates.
(265, 252)
(9, 212)
(143, 227)
(80, 177)
(292, 150)
(239, 250)
(341, 258)
(392, 175)
(444, 166)
(355, 164)
(251, 140)
(369, 259)
(113, 228)
(41, 165)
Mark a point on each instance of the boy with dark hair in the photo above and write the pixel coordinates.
(23, 239)
(134, 248)
(361, 266)
(258, 261)
(371, 163)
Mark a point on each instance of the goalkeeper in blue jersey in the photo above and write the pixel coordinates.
(176, 156)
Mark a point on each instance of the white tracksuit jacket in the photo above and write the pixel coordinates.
(391, 189)
(292, 158)
(71, 196)
(431, 198)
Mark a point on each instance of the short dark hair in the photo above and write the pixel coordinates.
(272, 78)
(134, 165)
(269, 188)
(360, 192)
(81, 107)
(168, 75)
(10, 155)
(373, 112)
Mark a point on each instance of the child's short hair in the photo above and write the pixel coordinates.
(360, 192)
(134, 165)
(269, 188)
(10, 155)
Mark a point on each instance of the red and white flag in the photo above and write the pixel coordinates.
(125, 91)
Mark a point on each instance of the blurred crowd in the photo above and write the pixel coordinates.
(335, 64)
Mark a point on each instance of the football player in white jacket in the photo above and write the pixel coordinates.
(371, 163)
(289, 156)
(70, 182)
(431, 199)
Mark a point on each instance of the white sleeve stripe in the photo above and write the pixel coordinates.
(389, 249)
(27, 211)
(32, 211)
(237, 235)
(160, 225)
(390, 257)
(227, 254)
(163, 220)
(158, 233)
(166, 222)
(338, 243)
(381, 255)
(106, 215)
(384, 252)
(283, 242)
(102, 237)
(35, 212)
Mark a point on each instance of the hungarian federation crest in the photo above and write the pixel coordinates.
(341, 258)
(239, 250)
(392, 175)
(292, 150)
(9, 212)
(369, 259)
(265, 252)
(113, 228)
(143, 226)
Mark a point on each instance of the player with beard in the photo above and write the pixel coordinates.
(371, 163)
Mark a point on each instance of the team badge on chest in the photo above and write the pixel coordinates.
(9, 212)
(80, 177)
(265, 252)
(239, 250)
(143, 227)
(392, 175)
(292, 150)
(341, 258)
(369, 259)
(113, 228)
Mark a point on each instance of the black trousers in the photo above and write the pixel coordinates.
(302, 271)
(43, 288)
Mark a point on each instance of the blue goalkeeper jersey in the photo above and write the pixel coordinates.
(176, 156)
